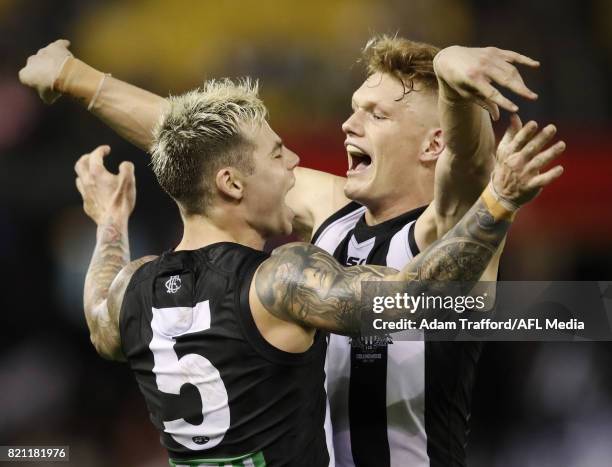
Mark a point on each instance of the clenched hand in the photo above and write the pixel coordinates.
(43, 68)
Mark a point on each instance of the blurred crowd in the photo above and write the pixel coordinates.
(535, 404)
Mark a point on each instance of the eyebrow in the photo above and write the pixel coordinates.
(278, 145)
(369, 106)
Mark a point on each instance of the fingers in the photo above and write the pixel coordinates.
(126, 173)
(513, 128)
(79, 185)
(490, 107)
(96, 158)
(545, 157)
(506, 74)
(82, 168)
(126, 169)
(516, 57)
(489, 93)
(515, 123)
(523, 136)
(25, 73)
(22, 76)
(91, 164)
(540, 181)
(63, 43)
(502, 72)
(534, 145)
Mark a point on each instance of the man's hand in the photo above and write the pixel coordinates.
(520, 157)
(109, 200)
(472, 73)
(105, 195)
(42, 70)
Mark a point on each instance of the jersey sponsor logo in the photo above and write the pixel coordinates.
(358, 252)
(173, 284)
(355, 261)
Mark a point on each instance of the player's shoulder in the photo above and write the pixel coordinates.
(125, 278)
(228, 257)
(225, 258)
(296, 250)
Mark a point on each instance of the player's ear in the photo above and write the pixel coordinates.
(230, 183)
(433, 145)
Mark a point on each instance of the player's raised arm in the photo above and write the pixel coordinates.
(303, 284)
(131, 111)
(108, 200)
(471, 80)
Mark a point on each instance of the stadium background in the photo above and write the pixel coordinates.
(535, 404)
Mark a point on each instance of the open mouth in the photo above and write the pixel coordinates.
(359, 160)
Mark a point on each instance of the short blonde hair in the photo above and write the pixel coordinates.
(409, 61)
(200, 134)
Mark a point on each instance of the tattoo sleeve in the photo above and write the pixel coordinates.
(107, 278)
(304, 284)
(110, 255)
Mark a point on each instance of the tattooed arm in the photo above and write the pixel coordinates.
(304, 285)
(105, 285)
(109, 200)
(110, 255)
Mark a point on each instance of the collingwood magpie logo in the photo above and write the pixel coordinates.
(370, 342)
(173, 284)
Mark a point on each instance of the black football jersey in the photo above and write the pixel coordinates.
(215, 389)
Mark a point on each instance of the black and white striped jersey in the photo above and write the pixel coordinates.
(216, 390)
(393, 402)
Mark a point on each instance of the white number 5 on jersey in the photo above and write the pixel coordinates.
(171, 373)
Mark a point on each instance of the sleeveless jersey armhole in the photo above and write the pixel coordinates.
(252, 334)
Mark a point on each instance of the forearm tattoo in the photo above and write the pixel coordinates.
(110, 255)
(464, 252)
(304, 284)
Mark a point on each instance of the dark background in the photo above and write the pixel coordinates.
(535, 404)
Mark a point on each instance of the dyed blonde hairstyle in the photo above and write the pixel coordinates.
(408, 61)
(201, 133)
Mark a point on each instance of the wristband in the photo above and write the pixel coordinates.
(59, 73)
(500, 209)
(79, 80)
(95, 96)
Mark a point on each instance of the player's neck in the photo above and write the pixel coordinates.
(415, 192)
(200, 231)
(391, 207)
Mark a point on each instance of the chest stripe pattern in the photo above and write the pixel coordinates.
(360, 385)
